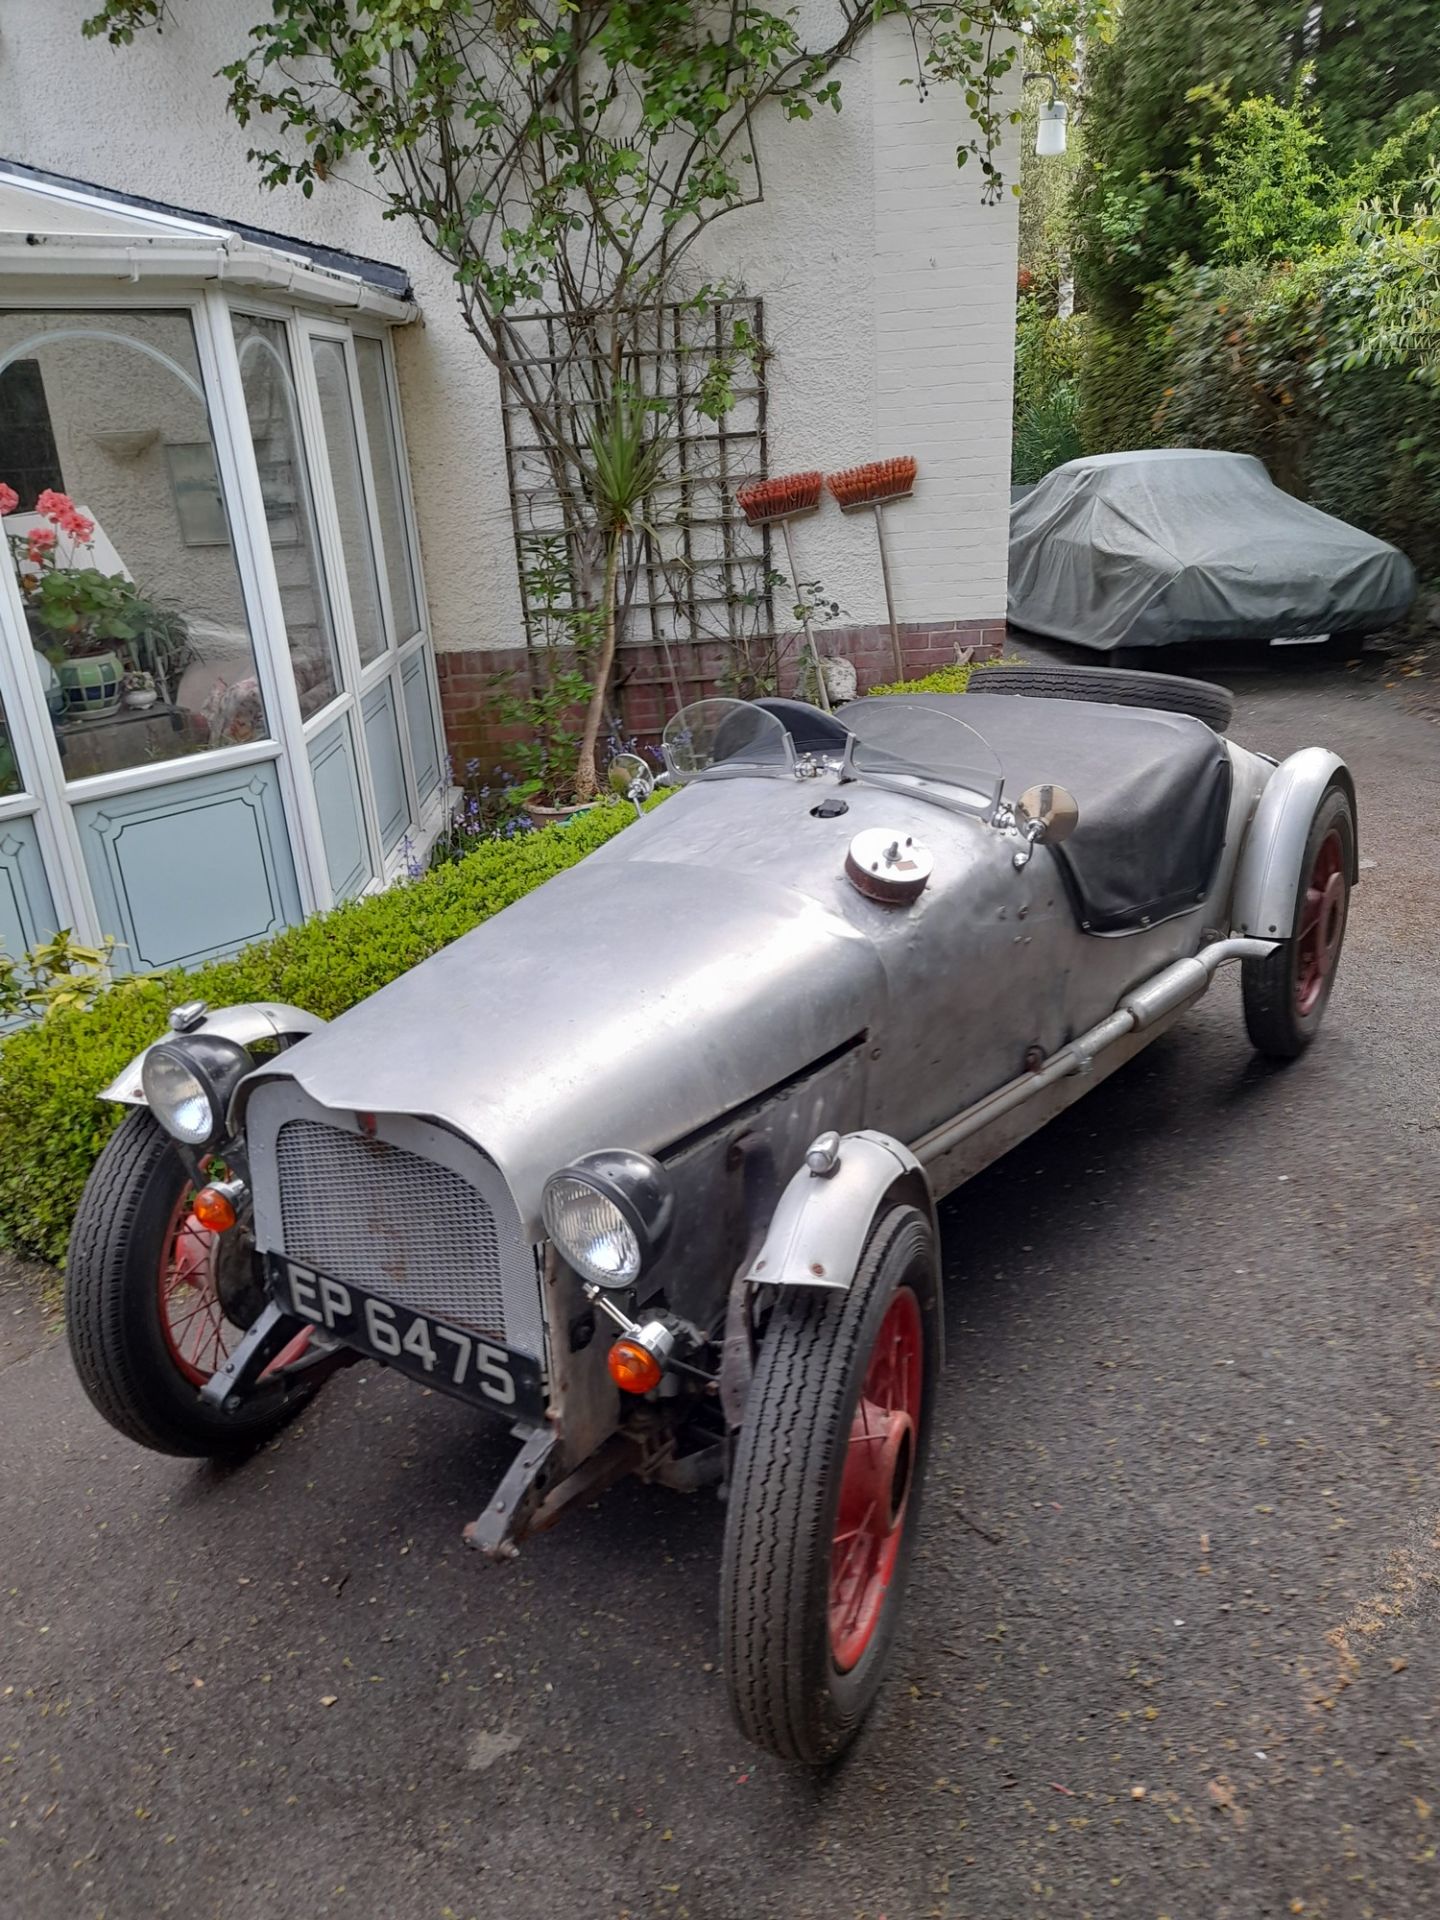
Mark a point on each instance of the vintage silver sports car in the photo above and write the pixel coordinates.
(648, 1163)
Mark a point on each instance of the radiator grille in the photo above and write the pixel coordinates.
(391, 1222)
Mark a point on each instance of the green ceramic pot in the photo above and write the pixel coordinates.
(92, 685)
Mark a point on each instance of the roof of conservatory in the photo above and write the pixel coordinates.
(51, 223)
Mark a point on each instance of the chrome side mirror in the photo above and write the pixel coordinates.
(631, 778)
(1052, 810)
(1044, 813)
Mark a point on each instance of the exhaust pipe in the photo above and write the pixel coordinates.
(1176, 986)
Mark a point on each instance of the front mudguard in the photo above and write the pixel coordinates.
(247, 1023)
(1267, 881)
(819, 1229)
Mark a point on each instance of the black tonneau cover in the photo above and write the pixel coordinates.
(1153, 791)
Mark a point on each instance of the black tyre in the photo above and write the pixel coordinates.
(1114, 687)
(1286, 995)
(825, 1500)
(154, 1304)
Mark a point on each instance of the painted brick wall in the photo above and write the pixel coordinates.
(646, 693)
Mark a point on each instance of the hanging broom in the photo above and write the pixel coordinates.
(874, 485)
(781, 500)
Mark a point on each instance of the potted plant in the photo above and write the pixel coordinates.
(82, 619)
(137, 689)
(546, 758)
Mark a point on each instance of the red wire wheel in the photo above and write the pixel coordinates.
(824, 1500)
(875, 1486)
(1287, 992)
(192, 1320)
(1322, 924)
(154, 1304)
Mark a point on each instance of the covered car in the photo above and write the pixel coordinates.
(1154, 549)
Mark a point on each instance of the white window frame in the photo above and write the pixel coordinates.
(50, 800)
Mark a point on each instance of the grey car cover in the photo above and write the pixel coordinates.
(1151, 549)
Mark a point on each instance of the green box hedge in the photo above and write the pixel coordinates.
(51, 1124)
(944, 680)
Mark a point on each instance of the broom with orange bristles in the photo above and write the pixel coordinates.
(777, 502)
(874, 485)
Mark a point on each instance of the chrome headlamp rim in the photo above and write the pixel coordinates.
(639, 1191)
(214, 1065)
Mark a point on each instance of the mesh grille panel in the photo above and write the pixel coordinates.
(391, 1222)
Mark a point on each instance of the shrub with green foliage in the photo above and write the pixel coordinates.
(1365, 72)
(52, 1126)
(944, 680)
(1122, 378)
(1312, 336)
(1277, 362)
(1047, 392)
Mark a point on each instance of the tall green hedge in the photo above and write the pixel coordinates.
(52, 1126)
(1047, 366)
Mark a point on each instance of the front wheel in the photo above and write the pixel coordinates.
(825, 1499)
(154, 1304)
(1286, 994)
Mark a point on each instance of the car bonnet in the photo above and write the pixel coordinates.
(624, 1003)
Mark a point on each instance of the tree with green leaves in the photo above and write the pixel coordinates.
(1377, 68)
(568, 155)
(1360, 73)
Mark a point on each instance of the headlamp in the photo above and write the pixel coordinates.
(609, 1214)
(188, 1083)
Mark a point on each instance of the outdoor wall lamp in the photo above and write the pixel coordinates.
(1050, 130)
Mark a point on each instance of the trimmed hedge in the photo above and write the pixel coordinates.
(944, 680)
(51, 1124)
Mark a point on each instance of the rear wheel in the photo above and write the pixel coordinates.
(825, 1499)
(154, 1304)
(1287, 993)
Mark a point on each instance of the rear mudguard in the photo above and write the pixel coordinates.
(247, 1023)
(1267, 882)
(818, 1231)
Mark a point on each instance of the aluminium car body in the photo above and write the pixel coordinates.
(648, 1162)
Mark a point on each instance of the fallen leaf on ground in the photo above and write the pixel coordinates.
(1222, 1793)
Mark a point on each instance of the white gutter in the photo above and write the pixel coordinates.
(227, 259)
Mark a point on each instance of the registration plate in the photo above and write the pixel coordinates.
(466, 1364)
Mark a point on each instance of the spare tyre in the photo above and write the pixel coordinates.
(1113, 687)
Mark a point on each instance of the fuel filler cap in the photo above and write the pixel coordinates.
(889, 866)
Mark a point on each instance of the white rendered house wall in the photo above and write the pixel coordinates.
(888, 289)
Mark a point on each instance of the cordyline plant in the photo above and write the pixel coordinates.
(566, 155)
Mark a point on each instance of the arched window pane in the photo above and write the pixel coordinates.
(273, 413)
(127, 570)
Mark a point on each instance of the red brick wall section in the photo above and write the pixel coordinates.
(645, 690)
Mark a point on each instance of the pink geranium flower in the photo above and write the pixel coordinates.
(40, 541)
(77, 525)
(54, 505)
(9, 499)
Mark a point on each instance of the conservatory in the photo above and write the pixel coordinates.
(218, 709)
